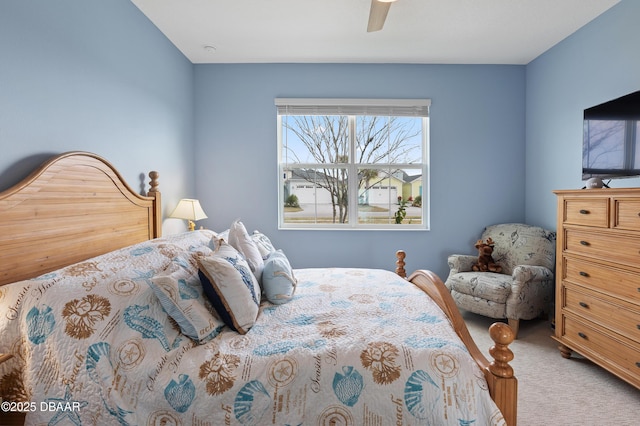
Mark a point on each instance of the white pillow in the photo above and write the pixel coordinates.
(180, 293)
(230, 286)
(277, 278)
(240, 240)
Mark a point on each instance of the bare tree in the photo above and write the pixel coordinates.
(601, 135)
(379, 140)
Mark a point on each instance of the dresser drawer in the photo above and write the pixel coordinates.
(619, 355)
(627, 213)
(605, 246)
(588, 212)
(588, 305)
(616, 282)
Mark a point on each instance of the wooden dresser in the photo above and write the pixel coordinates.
(598, 278)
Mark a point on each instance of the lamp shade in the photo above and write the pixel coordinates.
(189, 209)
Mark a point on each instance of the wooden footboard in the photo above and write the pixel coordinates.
(503, 386)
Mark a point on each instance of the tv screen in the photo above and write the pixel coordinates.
(611, 143)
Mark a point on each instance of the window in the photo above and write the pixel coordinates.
(353, 163)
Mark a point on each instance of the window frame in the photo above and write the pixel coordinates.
(353, 108)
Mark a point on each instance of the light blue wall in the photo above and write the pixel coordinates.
(477, 153)
(98, 76)
(94, 75)
(599, 62)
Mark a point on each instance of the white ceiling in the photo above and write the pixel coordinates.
(416, 31)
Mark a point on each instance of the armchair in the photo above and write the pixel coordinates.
(524, 288)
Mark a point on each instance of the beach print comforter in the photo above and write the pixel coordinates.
(93, 346)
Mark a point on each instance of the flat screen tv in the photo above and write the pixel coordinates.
(611, 143)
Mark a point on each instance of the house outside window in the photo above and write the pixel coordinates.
(353, 163)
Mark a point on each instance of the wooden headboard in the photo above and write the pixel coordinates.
(73, 207)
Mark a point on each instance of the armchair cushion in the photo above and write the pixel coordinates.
(519, 244)
(485, 285)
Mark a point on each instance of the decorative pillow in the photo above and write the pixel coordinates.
(240, 240)
(180, 293)
(223, 235)
(263, 243)
(277, 278)
(230, 286)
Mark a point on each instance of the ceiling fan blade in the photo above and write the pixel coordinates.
(377, 15)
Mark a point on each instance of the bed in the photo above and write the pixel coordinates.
(93, 330)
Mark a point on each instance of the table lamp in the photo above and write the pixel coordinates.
(190, 210)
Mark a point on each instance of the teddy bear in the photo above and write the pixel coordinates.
(485, 261)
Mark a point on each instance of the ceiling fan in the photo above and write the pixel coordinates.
(378, 14)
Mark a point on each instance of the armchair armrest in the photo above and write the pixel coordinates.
(531, 292)
(526, 273)
(461, 263)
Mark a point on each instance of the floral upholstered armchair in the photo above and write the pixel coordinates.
(523, 289)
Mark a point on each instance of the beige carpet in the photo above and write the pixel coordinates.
(557, 391)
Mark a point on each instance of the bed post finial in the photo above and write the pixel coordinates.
(400, 255)
(502, 335)
(157, 210)
(153, 184)
(502, 384)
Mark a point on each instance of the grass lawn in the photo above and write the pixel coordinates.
(292, 209)
(369, 209)
(373, 219)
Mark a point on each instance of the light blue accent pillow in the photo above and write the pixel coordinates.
(278, 280)
(180, 293)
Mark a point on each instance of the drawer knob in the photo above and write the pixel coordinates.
(583, 304)
(584, 211)
(638, 364)
(584, 243)
(584, 274)
(581, 334)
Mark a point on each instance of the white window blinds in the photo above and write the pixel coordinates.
(380, 107)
